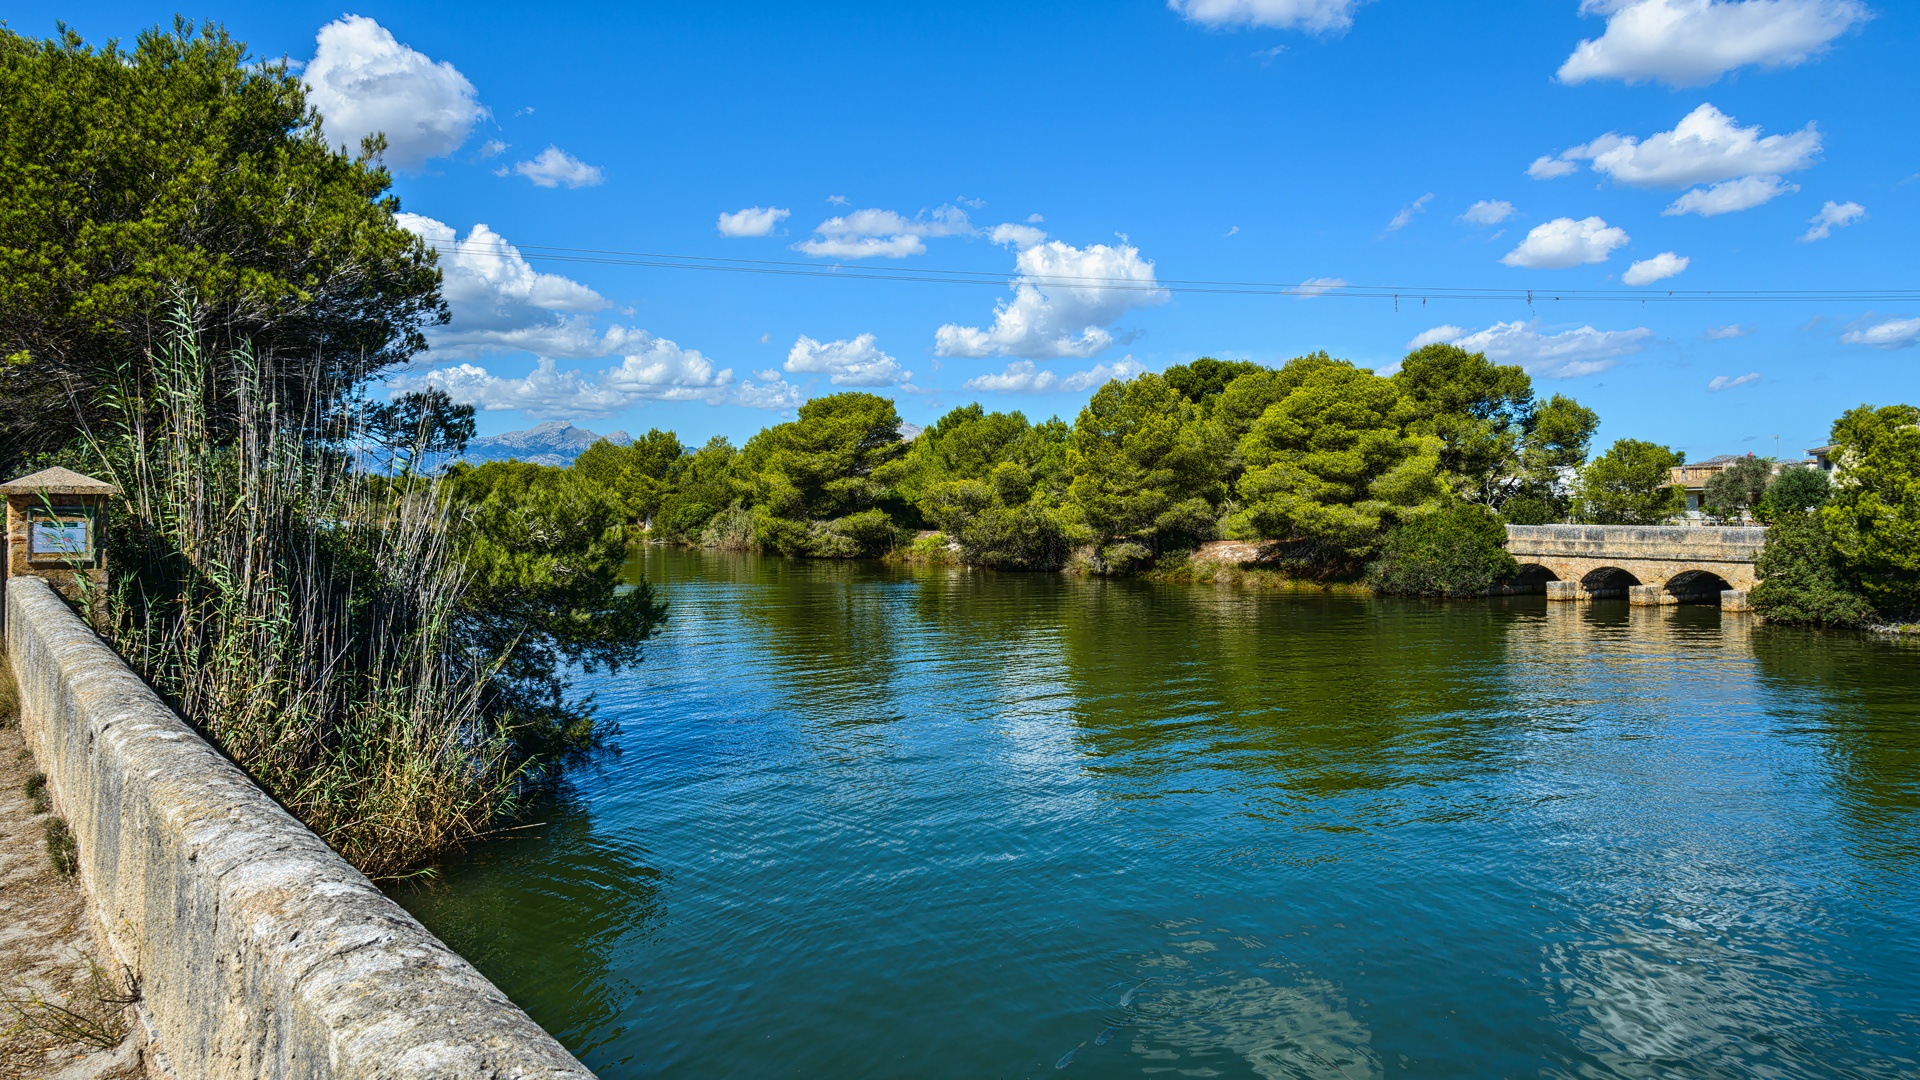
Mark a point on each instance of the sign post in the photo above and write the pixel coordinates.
(56, 523)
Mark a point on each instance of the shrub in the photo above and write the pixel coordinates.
(1794, 490)
(36, 792)
(1457, 550)
(1801, 579)
(62, 851)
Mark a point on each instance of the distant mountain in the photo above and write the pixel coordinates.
(556, 442)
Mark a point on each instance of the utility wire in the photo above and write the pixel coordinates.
(1096, 283)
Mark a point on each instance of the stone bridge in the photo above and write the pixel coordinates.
(1642, 564)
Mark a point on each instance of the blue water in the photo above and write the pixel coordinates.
(866, 821)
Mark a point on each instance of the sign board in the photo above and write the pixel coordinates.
(59, 538)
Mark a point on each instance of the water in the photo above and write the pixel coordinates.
(874, 822)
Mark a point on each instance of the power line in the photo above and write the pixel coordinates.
(1096, 283)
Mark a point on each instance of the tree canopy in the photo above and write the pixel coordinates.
(1874, 514)
(1631, 484)
(185, 168)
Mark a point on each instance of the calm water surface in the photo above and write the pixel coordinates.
(873, 822)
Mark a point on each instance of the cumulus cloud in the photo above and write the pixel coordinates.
(658, 370)
(1064, 299)
(1548, 167)
(499, 302)
(1022, 377)
(1659, 268)
(1727, 332)
(1730, 196)
(1565, 355)
(1705, 147)
(1694, 42)
(363, 81)
(1564, 242)
(753, 221)
(1488, 212)
(1833, 216)
(848, 363)
(1319, 16)
(1722, 382)
(1407, 213)
(1441, 333)
(555, 167)
(1891, 334)
(866, 234)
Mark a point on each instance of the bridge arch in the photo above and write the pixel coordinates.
(1608, 583)
(1533, 578)
(1697, 586)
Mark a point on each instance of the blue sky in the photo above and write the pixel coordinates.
(1547, 145)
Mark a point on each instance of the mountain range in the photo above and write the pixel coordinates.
(556, 442)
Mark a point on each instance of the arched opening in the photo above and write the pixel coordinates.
(1608, 583)
(1697, 587)
(1532, 580)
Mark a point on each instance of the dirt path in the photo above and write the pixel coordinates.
(60, 1018)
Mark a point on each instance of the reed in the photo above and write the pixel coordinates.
(299, 610)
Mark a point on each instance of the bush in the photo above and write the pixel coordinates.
(1795, 490)
(36, 792)
(1458, 550)
(62, 852)
(1801, 581)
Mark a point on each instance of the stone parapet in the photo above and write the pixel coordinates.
(258, 951)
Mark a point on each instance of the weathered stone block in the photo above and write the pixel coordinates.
(1735, 600)
(1564, 590)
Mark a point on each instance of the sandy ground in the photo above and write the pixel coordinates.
(47, 956)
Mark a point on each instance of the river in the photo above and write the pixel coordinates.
(871, 821)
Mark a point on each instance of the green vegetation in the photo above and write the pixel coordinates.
(62, 851)
(184, 167)
(35, 789)
(1738, 488)
(1458, 550)
(1631, 484)
(1795, 489)
(1874, 514)
(1802, 579)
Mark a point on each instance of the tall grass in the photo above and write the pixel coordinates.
(299, 611)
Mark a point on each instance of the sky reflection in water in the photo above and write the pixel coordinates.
(867, 821)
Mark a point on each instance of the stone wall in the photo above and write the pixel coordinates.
(257, 950)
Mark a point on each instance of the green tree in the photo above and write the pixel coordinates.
(1553, 446)
(699, 485)
(1477, 409)
(637, 472)
(1801, 579)
(1328, 464)
(1796, 488)
(420, 424)
(1146, 471)
(1631, 484)
(543, 549)
(1874, 515)
(185, 168)
(818, 483)
(1456, 550)
(1737, 488)
(1201, 381)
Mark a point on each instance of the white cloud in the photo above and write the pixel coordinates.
(771, 392)
(1315, 15)
(1564, 242)
(1034, 219)
(1727, 332)
(1407, 213)
(866, 234)
(1705, 147)
(1659, 268)
(1022, 377)
(1444, 332)
(1548, 167)
(753, 221)
(555, 167)
(1566, 355)
(1488, 212)
(492, 148)
(659, 370)
(1721, 382)
(850, 363)
(1020, 236)
(1318, 286)
(1729, 196)
(1833, 216)
(499, 302)
(1892, 334)
(1063, 300)
(363, 81)
(1693, 42)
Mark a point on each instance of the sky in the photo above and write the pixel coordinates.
(696, 216)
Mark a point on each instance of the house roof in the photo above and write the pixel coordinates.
(57, 481)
